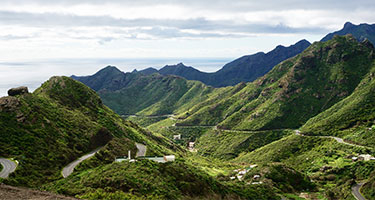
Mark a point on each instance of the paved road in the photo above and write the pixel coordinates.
(141, 150)
(193, 126)
(150, 116)
(356, 193)
(355, 188)
(8, 167)
(70, 167)
(339, 140)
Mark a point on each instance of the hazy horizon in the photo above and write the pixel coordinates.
(33, 73)
(72, 36)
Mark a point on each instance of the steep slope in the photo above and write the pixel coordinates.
(155, 94)
(59, 122)
(325, 160)
(147, 71)
(248, 68)
(187, 72)
(244, 69)
(146, 179)
(352, 117)
(294, 91)
(360, 32)
(109, 78)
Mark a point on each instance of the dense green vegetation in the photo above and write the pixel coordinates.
(303, 153)
(244, 69)
(145, 121)
(150, 180)
(155, 94)
(351, 118)
(293, 91)
(228, 145)
(368, 190)
(59, 122)
(289, 95)
(327, 90)
(327, 162)
(360, 32)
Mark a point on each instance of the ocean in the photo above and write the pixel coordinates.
(33, 73)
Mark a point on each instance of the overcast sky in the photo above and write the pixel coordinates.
(41, 38)
(33, 29)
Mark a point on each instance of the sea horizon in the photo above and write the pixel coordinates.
(18, 73)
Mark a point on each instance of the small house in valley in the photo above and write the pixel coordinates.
(177, 137)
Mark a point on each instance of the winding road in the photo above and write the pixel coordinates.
(70, 167)
(356, 188)
(356, 193)
(8, 167)
(339, 140)
(141, 150)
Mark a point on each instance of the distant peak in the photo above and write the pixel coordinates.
(109, 68)
(348, 25)
(177, 65)
(279, 46)
(303, 41)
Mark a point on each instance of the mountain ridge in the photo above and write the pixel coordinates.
(244, 69)
(360, 32)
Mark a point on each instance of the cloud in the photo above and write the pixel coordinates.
(186, 19)
(160, 28)
(238, 5)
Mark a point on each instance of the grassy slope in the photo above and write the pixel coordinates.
(294, 91)
(351, 118)
(56, 124)
(228, 145)
(150, 180)
(368, 190)
(309, 155)
(155, 95)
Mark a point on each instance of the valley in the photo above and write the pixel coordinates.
(301, 128)
(248, 122)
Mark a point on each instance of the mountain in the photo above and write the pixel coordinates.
(360, 32)
(189, 73)
(109, 78)
(58, 123)
(155, 94)
(177, 180)
(248, 68)
(352, 118)
(244, 69)
(293, 91)
(290, 94)
(147, 71)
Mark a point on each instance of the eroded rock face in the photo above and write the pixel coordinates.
(18, 91)
(9, 103)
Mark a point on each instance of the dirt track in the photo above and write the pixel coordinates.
(9, 192)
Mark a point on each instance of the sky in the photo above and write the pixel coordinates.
(36, 32)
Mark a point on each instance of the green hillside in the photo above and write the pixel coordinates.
(360, 32)
(135, 93)
(327, 162)
(59, 122)
(150, 180)
(228, 145)
(352, 118)
(294, 91)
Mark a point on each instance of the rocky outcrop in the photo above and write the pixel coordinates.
(9, 104)
(18, 91)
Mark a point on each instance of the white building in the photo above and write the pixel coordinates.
(177, 137)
